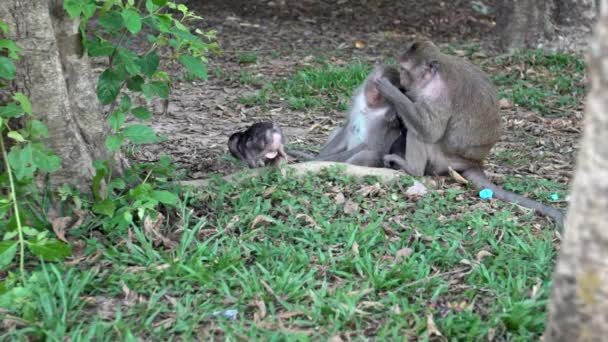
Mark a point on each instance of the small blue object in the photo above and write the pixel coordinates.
(486, 194)
(554, 197)
(230, 314)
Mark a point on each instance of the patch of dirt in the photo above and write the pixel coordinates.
(285, 35)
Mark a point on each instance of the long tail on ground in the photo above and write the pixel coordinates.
(300, 155)
(481, 181)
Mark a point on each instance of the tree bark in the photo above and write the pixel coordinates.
(578, 310)
(553, 24)
(56, 76)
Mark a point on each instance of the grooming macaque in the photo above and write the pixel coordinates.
(450, 111)
(371, 126)
(259, 145)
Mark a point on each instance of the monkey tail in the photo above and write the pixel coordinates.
(481, 181)
(300, 155)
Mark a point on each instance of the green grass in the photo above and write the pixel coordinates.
(287, 246)
(548, 83)
(323, 86)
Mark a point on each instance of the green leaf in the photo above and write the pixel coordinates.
(164, 197)
(8, 249)
(101, 169)
(117, 120)
(114, 141)
(37, 129)
(7, 68)
(49, 249)
(125, 103)
(159, 2)
(195, 66)
(21, 160)
(149, 63)
(75, 7)
(105, 207)
(108, 86)
(44, 158)
(97, 47)
(158, 88)
(129, 60)
(15, 136)
(135, 83)
(140, 134)
(11, 110)
(132, 20)
(4, 27)
(141, 113)
(111, 21)
(12, 48)
(24, 102)
(118, 183)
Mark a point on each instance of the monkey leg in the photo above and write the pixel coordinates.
(342, 156)
(416, 156)
(369, 158)
(336, 143)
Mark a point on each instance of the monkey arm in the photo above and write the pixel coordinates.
(335, 144)
(342, 156)
(429, 125)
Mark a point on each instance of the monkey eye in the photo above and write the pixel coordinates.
(434, 65)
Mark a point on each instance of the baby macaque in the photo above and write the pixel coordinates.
(259, 145)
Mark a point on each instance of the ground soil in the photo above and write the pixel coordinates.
(287, 35)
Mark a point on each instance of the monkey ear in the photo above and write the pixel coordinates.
(434, 65)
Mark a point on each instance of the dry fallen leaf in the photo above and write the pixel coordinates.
(482, 254)
(261, 219)
(431, 327)
(356, 248)
(457, 177)
(504, 103)
(308, 220)
(418, 189)
(340, 198)
(351, 207)
(59, 227)
(403, 253)
(370, 190)
(261, 313)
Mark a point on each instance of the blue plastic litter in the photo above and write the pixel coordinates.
(486, 194)
(230, 314)
(554, 197)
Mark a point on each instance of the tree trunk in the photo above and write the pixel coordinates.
(553, 24)
(578, 310)
(56, 76)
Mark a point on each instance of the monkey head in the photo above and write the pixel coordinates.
(259, 145)
(372, 94)
(418, 65)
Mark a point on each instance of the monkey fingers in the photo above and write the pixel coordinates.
(388, 90)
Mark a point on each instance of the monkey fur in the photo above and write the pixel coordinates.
(371, 127)
(451, 114)
(259, 145)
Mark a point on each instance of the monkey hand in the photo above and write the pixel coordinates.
(387, 89)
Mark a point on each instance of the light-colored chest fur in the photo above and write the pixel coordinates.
(364, 121)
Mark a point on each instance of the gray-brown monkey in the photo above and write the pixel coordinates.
(259, 145)
(371, 126)
(451, 114)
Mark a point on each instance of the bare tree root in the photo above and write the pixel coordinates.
(299, 170)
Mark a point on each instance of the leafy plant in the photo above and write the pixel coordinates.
(27, 158)
(136, 73)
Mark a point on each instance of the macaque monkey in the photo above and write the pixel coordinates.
(371, 127)
(260, 145)
(450, 111)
